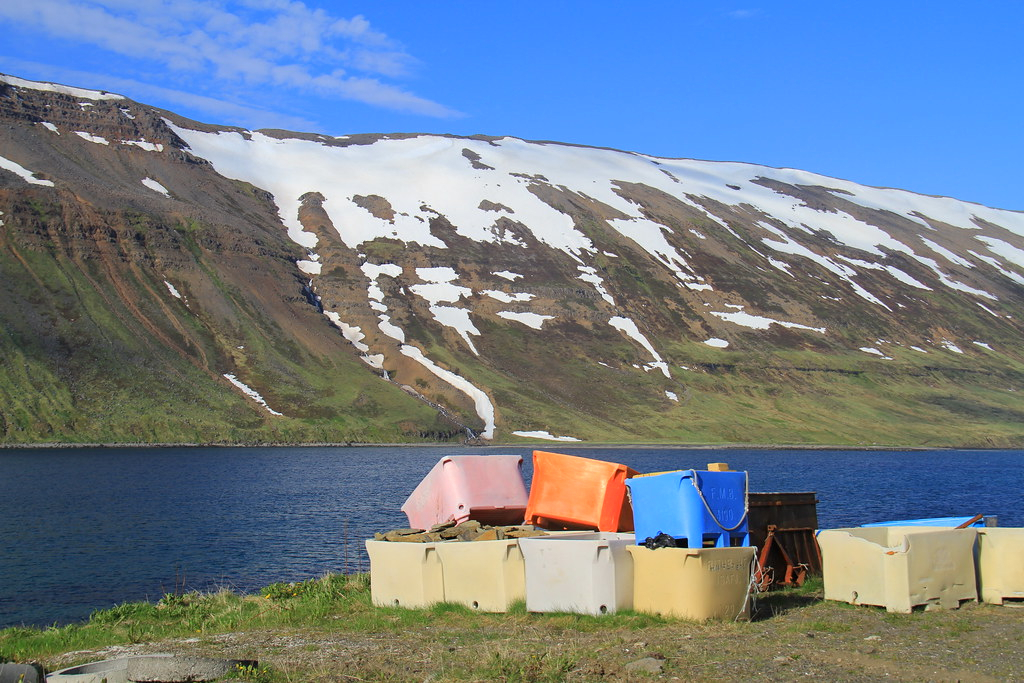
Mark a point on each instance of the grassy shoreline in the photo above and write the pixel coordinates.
(326, 629)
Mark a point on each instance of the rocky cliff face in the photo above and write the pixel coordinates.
(169, 281)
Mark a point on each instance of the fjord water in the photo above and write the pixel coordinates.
(85, 529)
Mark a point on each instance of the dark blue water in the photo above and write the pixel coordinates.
(85, 529)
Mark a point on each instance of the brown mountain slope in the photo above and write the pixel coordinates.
(347, 286)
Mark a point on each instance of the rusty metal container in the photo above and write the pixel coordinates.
(782, 527)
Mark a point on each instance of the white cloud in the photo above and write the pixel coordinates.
(254, 42)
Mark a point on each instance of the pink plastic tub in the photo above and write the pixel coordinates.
(487, 488)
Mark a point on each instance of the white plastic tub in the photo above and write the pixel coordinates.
(582, 573)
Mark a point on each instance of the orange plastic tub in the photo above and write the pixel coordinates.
(569, 492)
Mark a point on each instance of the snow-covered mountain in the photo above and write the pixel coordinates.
(505, 288)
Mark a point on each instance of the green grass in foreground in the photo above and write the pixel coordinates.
(326, 630)
(335, 603)
(179, 615)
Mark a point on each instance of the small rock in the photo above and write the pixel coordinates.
(20, 673)
(413, 538)
(401, 534)
(873, 638)
(492, 534)
(443, 525)
(524, 532)
(468, 525)
(648, 665)
(181, 668)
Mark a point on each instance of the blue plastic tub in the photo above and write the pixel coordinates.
(698, 506)
(933, 521)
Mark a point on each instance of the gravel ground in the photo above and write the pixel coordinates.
(804, 638)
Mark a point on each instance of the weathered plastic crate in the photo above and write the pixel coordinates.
(405, 574)
(569, 492)
(697, 506)
(899, 568)
(1000, 564)
(582, 573)
(693, 583)
(483, 575)
(487, 488)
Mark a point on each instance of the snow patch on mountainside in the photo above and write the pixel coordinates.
(439, 288)
(589, 274)
(143, 144)
(98, 139)
(62, 89)
(250, 392)
(534, 320)
(22, 172)
(481, 401)
(506, 297)
(156, 187)
(629, 328)
(758, 322)
(545, 435)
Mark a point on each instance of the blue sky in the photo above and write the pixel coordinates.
(927, 97)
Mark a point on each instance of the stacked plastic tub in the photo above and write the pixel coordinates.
(693, 557)
(487, 488)
(579, 572)
(569, 492)
(483, 575)
(590, 563)
(584, 573)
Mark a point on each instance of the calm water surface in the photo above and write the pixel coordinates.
(84, 529)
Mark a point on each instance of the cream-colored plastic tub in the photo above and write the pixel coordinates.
(483, 575)
(582, 573)
(405, 574)
(693, 583)
(1000, 564)
(899, 568)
